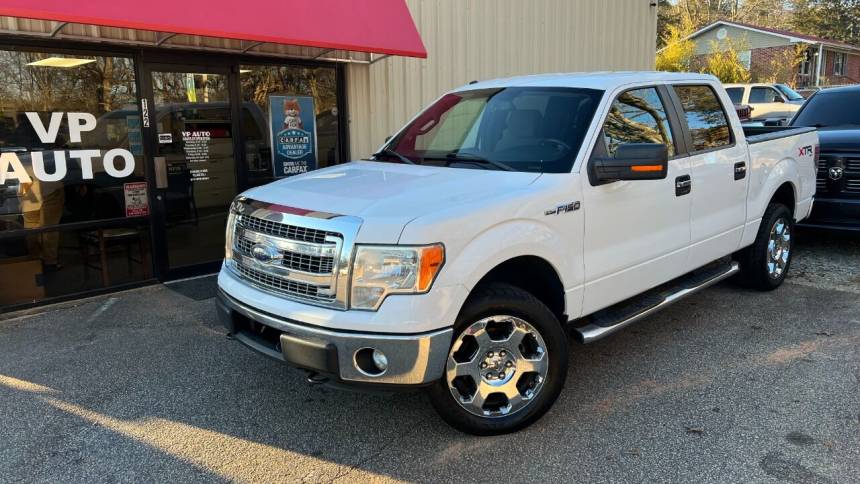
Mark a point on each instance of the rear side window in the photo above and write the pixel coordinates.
(763, 95)
(736, 94)
(638, 116)
(706, 119)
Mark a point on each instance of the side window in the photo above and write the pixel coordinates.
(706, 119)
(736, 94)
(763, 95)
(638, 116)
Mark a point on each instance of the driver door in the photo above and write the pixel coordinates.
(637, 232)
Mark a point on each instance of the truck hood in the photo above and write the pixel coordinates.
(387, 196)
(839, 139)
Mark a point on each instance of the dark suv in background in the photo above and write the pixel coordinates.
(836, 114)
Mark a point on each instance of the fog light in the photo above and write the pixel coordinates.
(371, 361)
(380, 360)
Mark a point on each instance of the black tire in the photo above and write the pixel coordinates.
(754, 260)
(504, 299)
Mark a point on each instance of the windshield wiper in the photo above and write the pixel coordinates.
(390, 152)
(455, 156)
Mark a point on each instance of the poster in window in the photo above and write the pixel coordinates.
(292, 122)
(136, 199)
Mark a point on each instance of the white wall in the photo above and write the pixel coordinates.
(483, 39)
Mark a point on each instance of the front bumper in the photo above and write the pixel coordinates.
(413, 359)
(834, 213)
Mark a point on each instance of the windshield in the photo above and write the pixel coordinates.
(837, 108)
(788, 92)
(516, 129)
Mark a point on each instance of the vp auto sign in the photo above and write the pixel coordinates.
(117, 162)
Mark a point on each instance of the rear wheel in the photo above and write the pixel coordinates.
(506, 366)
(765, 264)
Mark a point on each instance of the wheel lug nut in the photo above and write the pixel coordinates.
(483, 364)
(489, 376)
(509, 364)
(501, 374)
(503, 353)
(489, 354)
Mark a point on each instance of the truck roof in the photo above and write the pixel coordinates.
(591, 80)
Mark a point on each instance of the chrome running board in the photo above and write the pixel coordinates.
(609, 320)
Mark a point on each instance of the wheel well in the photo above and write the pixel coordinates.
(785, 195)
(532, 274)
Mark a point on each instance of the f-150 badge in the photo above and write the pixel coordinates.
(570, 207)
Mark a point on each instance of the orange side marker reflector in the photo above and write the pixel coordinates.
(642, 168)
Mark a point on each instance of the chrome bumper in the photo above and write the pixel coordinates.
(412, 359)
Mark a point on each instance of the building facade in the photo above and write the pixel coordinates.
(121, 146)
(767, 54)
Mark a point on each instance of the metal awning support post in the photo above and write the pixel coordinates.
(818, 63)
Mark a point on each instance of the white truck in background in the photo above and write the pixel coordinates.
(507, 215)
(767, 102)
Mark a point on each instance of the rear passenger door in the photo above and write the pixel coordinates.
(637, 232)
(719, 173)
(767, 103)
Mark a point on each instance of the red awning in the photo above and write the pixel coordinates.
(377, 26)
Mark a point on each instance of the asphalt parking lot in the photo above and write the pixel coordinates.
(726, 386)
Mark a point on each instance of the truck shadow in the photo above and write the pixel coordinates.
(137, 398)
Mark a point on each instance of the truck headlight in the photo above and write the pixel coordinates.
(235, 208)
(382, 270)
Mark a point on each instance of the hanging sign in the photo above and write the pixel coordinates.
(292, 122)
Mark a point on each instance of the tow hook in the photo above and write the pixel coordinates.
(315, 378)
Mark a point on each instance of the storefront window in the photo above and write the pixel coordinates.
(292, 91)
(73, 198)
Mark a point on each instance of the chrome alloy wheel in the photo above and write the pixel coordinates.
(778, 248)
(497, 366)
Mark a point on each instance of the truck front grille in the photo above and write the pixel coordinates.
(848, 185)
(300, 262)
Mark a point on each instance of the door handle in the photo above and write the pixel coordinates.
(740, 170)
(160, 171)
(683, 185)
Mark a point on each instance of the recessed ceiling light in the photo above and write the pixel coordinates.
(61, 62)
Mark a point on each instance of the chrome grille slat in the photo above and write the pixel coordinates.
(291, 232)
(281, 285)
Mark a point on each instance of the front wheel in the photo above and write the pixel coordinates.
(764, 264)
(506, 366)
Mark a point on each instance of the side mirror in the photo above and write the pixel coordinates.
(778, 99)
(388, 138)
(633, 161)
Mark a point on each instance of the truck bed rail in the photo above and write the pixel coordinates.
(760, 134)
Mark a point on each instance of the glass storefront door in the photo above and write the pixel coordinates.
(194, 166)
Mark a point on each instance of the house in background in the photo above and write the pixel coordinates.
(827, 62)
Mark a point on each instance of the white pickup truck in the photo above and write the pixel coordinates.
(506, 216)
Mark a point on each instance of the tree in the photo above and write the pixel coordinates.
(764, 13)
(679, 50)
(832, 19)
(724, 62)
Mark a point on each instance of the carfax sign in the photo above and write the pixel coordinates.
(292, 122)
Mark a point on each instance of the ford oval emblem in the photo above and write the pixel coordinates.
(265, 253)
